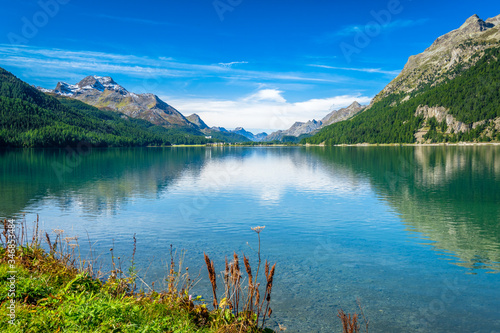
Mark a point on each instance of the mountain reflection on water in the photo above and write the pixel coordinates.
(447, 196)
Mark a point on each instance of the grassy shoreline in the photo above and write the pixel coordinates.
(410, 144)
(55, 291)
(444, 144)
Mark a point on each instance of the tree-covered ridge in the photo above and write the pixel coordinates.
(30, 118)
(473, 95)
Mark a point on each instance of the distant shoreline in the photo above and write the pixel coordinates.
(409, 144)
(418, 144)
(461, 144)
(378, 144)
(343, 145)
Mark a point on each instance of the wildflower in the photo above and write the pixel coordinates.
(258, 229)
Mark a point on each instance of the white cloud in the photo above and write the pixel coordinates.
(264, 109)
(268, 95)
(394, 25)
(372, 26)
(365, 70)
(230, 64)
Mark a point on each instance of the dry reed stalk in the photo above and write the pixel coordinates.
(171, 273)
(35, 233)
(249, 306)
(212, 276)
(48, 242)
(227, 285)
(248, 269)
(90, 262)
(349, 324)
(135, 248)
(22, 233)
(132, 262)
(362, 314)
(236, 277)
(269, 287)
(257, 296)
(259, 308)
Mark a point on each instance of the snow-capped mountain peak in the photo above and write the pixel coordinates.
(101, 83)
(93, 82)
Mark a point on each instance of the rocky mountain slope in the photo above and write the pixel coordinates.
(105, 94)
(449, 55)
(296, 130)
(448, 93)
(311, 126)
(196, 120)
(342, 114)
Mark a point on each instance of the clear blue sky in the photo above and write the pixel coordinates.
(257, 64)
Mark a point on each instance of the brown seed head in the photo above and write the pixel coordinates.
(248, 269)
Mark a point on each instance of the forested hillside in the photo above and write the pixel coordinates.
(30, 118)
(470, 96)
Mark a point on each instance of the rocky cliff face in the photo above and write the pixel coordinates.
(447, 57)
(453, 126)
(441, 113)
(104, 93)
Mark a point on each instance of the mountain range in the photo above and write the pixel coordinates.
(249, 135)
(105, 94)
(299, 129)
(214, 131)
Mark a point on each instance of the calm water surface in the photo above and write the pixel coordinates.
(413, 232)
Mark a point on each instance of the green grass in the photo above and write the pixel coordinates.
(50, 297)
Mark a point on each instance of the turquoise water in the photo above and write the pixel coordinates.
(412, 232)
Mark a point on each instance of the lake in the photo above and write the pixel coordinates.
(412, 232)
